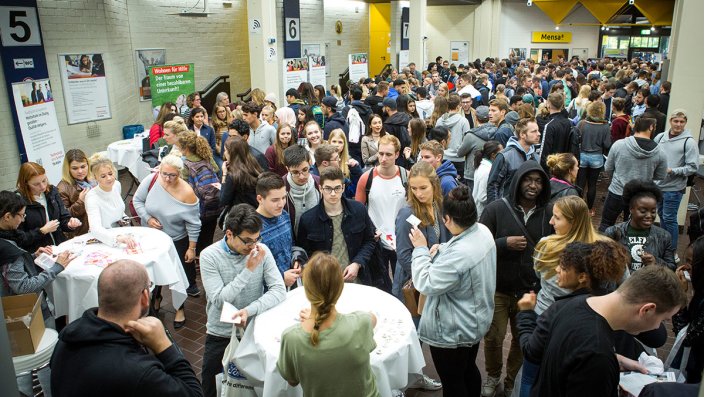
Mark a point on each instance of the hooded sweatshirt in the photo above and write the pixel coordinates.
(504, 166)
(458, 125)
(397, 125)
(473, 141)
(107, 359)
(448, 175)
(515, 269)
(682, 156)
(335, 121)
(635, 158)
(425, 108)
(263, 137)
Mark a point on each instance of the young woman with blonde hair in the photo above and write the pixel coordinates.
(344, 340)
(220, 120)
(350, 167)
(563, 168)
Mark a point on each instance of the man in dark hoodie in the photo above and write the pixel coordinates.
(517, 222)
(474, 140)
(397, 124)
(105, 351)
(634, 157)
(519, 149)
(334, 119)
(556, 131)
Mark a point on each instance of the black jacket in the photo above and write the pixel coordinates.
(654, 113)
(335, 121)
(316, 233)
(36, 218)
(555, 135)
(515, 269)
(397, 125)
(110, 362)
(658, 243)
(559, 190)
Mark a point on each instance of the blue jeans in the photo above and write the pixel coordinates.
(668, 212)
(529, 371)
(591, 160)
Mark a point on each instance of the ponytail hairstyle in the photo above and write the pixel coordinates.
(488, 149)
(195, 145)
(324, 284)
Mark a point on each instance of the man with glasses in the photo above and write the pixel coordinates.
(242, 272)
(325, 156)
(301, 186)
(339, 226)
(105, 351)
(383, 189)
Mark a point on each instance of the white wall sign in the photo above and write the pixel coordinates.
(36, 113)
(23, 63)
(19, 26)
(357, 66)
(460, 52)
(255, 25)
(85, 87)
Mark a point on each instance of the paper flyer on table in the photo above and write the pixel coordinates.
(228, 312)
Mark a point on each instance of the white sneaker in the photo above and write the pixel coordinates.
(488, 388)
(397, 393)
(427, 383)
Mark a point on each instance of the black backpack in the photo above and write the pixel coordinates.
(403, 174)
(575, 140)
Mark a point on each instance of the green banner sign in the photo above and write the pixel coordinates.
(171, 83)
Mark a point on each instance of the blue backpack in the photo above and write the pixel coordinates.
(202, 179)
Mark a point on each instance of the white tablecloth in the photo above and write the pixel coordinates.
(128, 153)
(397, 356)
(76, 288)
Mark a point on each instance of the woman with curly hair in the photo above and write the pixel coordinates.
(345, 340)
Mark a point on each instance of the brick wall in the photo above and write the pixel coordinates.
(116, 28)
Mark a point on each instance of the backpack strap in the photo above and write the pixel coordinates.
(151, 183)
(403, 175)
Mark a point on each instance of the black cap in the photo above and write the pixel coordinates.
(390, 103)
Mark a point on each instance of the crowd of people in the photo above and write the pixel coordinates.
(474, 184)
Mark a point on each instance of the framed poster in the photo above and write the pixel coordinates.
(517, 52)
(85, 87)
(357, 66)
(295, 72)
(460, 52)
(144, 60)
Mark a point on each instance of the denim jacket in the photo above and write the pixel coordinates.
(459, 284)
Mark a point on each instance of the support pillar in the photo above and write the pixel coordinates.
(417, 33)
(686, 78)
(265, 59)
(486, 25)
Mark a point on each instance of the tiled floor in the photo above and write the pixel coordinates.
(192, 336)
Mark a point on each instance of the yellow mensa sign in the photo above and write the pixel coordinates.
(551, 37)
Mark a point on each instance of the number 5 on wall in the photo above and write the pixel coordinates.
(19, 27)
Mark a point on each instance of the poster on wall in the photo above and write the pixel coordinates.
(295, 72)
(357, 66)
(517, 52)
(172, 83)
(534, 54)
(317, 70)
(144, 60)
(36, 113)
(459, 52)
(403, 59)
(85, 87)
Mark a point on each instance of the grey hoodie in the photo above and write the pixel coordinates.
(263, 137)
(473, 141)
(682, 155)
(458, 125)
(630, 161)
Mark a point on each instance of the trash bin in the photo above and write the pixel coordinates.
(129, 131)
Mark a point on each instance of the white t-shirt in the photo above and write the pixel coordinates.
(387, 196)
(104, 210)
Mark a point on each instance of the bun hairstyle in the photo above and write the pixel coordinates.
(460, 207)
(560, 165)
(323, 283)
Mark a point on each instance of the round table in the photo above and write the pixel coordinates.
(41, 357)
(397, 356)
(128, 153)
(76, 288)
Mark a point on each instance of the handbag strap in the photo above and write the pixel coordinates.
(518, 222)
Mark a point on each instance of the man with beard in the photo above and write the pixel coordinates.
(105, 351)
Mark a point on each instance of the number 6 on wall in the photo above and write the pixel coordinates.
(19, 27)
(292, 29)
